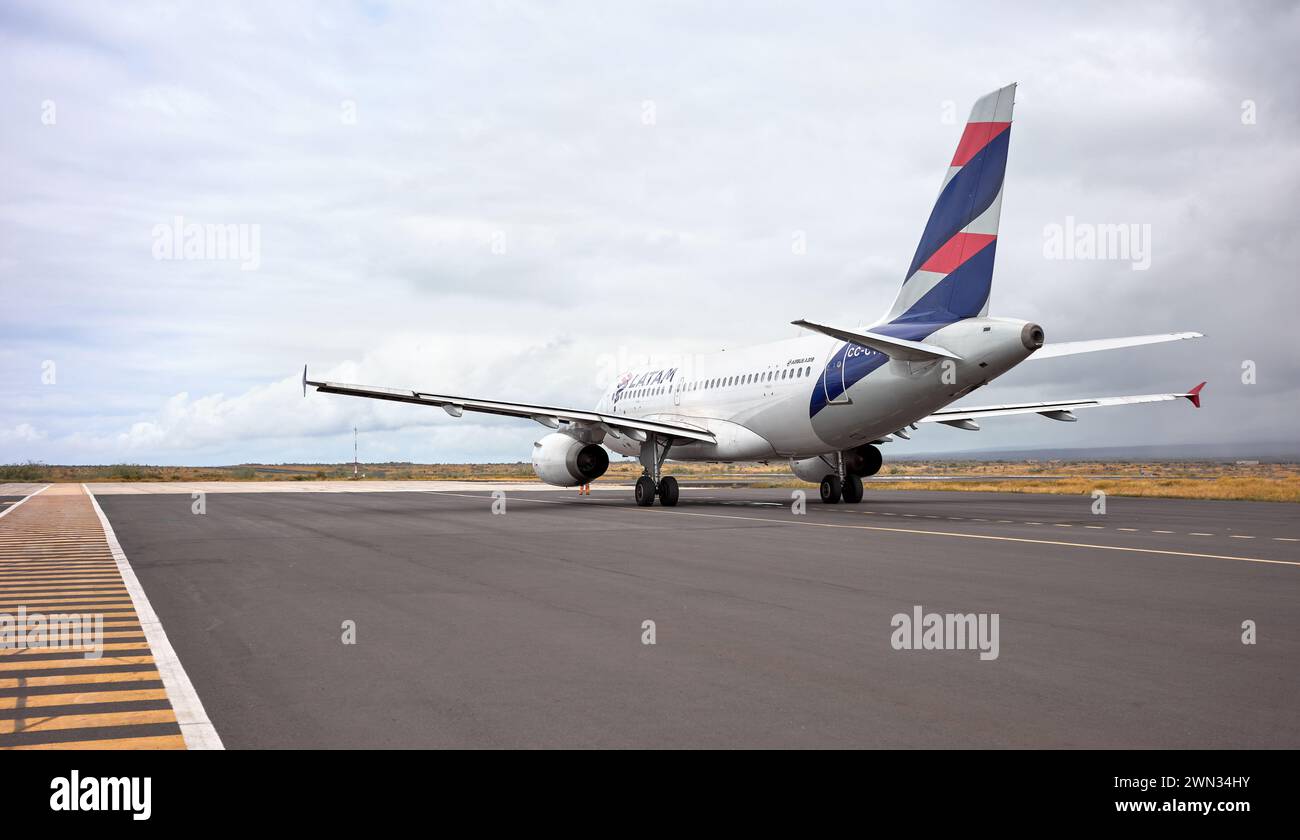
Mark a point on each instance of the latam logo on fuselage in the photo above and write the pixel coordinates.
(653, 377)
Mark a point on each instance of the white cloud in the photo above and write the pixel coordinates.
(22, 433)
(525, 121)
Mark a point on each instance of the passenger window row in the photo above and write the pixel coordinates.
(726, 382)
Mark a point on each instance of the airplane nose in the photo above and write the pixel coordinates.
(1031, 336)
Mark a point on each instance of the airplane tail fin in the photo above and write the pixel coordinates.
(952, 273)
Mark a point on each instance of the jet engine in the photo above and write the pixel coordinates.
(567, 462)
(863, 461)
(814, 469)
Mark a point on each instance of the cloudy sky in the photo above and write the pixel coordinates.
(511, 200)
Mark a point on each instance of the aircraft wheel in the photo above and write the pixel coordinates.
(668, 491)
(645, 491)
(852, 490)
(831, 490)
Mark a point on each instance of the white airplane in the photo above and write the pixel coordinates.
(825, 401)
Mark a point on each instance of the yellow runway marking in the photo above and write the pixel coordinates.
(108, 645)
(63, 596)
(141, 675)
(55, 558)
(125, 696)
(111, 603)
(74, 660)
(38, 724)
(158, 742)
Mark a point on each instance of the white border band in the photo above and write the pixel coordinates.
(198, 731)
(18, 504)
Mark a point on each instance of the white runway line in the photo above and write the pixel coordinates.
(198, 731)
(1098, 546)
(19, 503)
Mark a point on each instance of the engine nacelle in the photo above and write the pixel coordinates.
(863, 461)
(813, 469)
(566, 462)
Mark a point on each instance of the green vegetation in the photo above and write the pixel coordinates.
(30, 471)
(1173, 479)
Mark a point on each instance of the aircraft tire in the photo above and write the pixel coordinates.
(645, 491)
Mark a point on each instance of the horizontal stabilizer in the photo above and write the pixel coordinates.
(1071, 348)
(894, 348)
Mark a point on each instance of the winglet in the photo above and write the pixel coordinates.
(1195, 395)
(304, 380)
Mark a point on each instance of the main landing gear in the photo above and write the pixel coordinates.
(844, 484)
(651, 483)
(849, 490)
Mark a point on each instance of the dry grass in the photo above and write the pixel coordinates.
(1239, 489)
(1272, 482)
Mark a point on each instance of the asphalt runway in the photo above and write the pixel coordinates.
(772, 629)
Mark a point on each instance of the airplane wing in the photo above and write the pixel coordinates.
(965, 418)
(550, 416)
(1070, 348)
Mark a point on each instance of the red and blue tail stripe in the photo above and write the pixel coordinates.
(951, 274)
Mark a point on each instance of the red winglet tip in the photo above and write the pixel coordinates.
(1195, 395)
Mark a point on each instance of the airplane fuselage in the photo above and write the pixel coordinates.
(804, 397)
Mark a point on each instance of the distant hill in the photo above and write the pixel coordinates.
(1275, 451)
